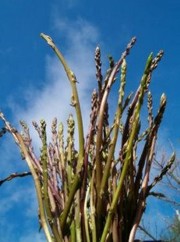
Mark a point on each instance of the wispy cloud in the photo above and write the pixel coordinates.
(55, 97)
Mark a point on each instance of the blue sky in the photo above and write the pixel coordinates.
(31, 81)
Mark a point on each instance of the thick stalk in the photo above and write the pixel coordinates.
(75, 102)
(73, 232)
(75, 98)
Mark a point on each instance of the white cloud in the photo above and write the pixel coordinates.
(55, 97)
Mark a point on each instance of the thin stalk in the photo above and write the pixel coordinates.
(19, 140)
(44, 159)
(44, 222)
(141, 203)
(62, 162)
(92, 208)
(115, 129)
(47, 205)
(164, 171)
(70, 151)
(147, 233)
(78, 217)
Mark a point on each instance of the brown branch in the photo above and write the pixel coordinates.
(164, 171)
(15, 175)
(147, 232)
(164, 198)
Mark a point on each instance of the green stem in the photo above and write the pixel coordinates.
(86, 218)
(37, 186)
(128, 149)
(65, 212)
(114, 140)
(92, 208)
(75, 98)
(47, 205)
(75, 102)
(73, 232)
(78, 217)
(19, 140)
(101, 111)
(115, 129)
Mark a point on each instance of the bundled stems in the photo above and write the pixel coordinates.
(97, 192)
